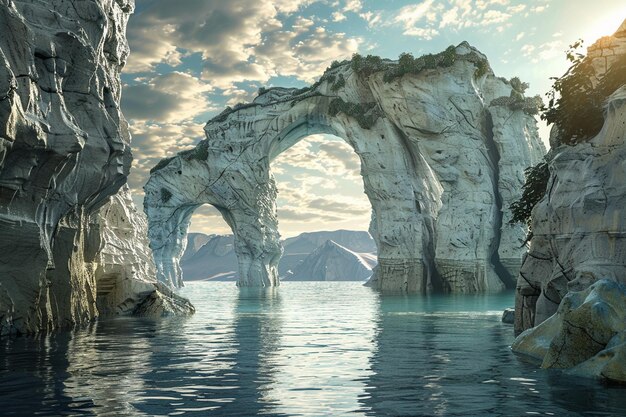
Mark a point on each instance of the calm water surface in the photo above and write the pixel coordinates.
(306, 349)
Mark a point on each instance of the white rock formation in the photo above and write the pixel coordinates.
(571, 297)
(332, 262)
(440, 159)
(124, 273)
(587, 335)
(579, 227)
(64, 149)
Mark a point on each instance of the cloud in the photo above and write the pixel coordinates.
(412, 15)
(343, 154)
(218, 30)
(544, 51)
(483, 4)
(422, 33)
(237, 40)
(495, 16)
(353, 6)
(424, 20)
(335, 204)
(338, 17)
(331, 207)
(304, 52)
(319, 155)
(207, 219)
(319, 186)
(372, 18)
(153, 142)
(316, 184)
(450, 18)
(539, 9)
(299, 215)
(167, 98)
(240, 95)
(149, 47)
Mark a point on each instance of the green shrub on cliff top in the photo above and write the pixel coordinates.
(576, 105)
(576, 109)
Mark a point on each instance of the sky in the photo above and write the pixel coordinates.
(191, 58)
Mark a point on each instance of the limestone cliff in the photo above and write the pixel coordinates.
(124, 272)
(579, 226)
(571, 299)
(64, 150)
(442, 143)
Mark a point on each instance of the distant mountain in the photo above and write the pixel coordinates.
(212, 257)
(357, 241)
(194, 242)
(215, 260)
(299, 247)
(332, 262)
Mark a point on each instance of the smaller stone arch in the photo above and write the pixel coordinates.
(426, 141)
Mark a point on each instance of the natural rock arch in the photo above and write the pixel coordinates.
(440, 158)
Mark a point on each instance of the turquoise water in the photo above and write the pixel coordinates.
(305, 349)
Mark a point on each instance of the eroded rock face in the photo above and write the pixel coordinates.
(124, 273)
(64, 150)
(571, 298)
(587, 335)
(439, 159)
(579, 226)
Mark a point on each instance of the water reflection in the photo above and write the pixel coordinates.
(308, 349)
(142, 367)
(225, 368)
(257, 336)
(325, 349)
(438, 356)
(27, 367)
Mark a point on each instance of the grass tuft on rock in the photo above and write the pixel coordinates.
(365, 114)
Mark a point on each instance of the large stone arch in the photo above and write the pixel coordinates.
(438, 161)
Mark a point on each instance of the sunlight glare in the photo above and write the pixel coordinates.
(605, 26)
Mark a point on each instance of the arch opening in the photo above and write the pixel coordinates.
(209, 254)
(323, 212)
(323, 219)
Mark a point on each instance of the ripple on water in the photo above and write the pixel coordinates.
(305, 349)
